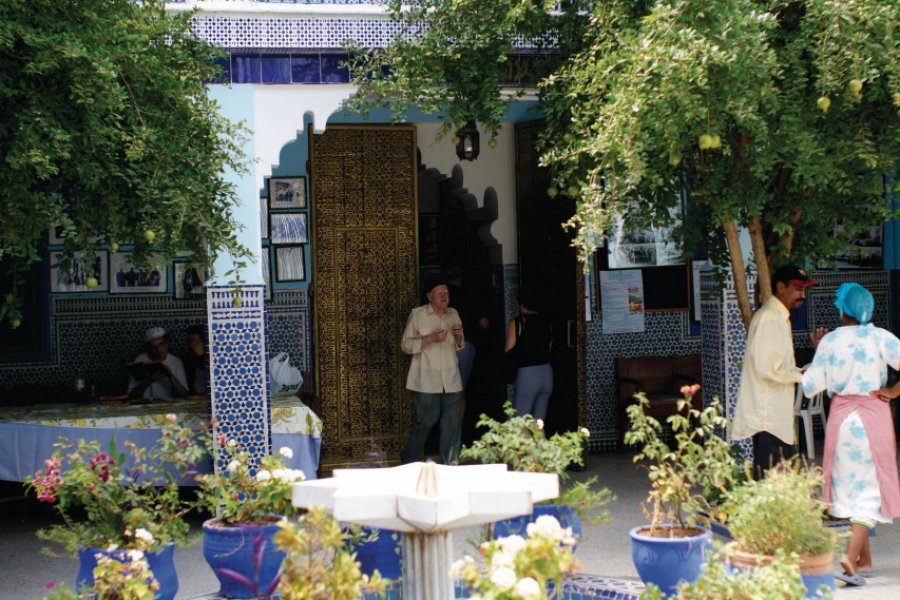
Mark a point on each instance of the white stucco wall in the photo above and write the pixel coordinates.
(495, 167)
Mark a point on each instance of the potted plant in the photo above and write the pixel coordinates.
(778, 579)
(121, 500)
(520, 567)
(122, 575)
(782, 512)
(673, 547)
(249, 501)
(521, 443)
(319, 564)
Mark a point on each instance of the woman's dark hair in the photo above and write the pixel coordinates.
(530, 299)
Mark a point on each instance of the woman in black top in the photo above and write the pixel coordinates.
(530, 336)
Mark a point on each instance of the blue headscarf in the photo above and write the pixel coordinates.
(855, 301)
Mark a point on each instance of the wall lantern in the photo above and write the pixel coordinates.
(467, 146)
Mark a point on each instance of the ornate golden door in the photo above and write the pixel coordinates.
(364, 205)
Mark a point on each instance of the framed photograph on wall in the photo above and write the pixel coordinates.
(190, 281)
(263, 218)
(127, 278)
(57, 235)
(267, 278)
(290, 263)
(287, 228)
(82, 273)
(287, 192)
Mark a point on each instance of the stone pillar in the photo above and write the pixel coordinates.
(723, 342)
(426, 561)
(239, 379)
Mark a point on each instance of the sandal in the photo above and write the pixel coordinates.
(850, 580)
(867, 574)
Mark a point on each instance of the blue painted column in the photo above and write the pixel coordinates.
(236, 311)
(239, 381)
(724, 340)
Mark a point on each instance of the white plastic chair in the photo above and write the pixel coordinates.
(814, 407)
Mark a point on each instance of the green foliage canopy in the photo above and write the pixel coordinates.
(106, 129)
(776, 115)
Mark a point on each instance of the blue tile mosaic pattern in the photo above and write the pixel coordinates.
(93, 337)
(239, 387)
(667, 333)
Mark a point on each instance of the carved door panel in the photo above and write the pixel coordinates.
(363, 189)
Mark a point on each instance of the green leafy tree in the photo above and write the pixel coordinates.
(779, 116)
(107, 131)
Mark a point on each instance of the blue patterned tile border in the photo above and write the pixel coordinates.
(239, 388)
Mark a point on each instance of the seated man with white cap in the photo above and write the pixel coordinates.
(167, 382)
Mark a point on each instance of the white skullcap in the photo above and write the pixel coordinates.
(154, 333)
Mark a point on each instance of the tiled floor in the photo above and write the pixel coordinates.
(604, 550)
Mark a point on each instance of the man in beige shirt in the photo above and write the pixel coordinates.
(765, 404)
(433, 336)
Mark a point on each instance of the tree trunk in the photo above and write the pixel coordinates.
(761, 257)
(738, 273)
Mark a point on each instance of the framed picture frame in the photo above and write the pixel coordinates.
(286, 193)
(263, 218)
(266, 268)
(56, 235)
(290, 263)
(288, 228)
(126, 278)
(81, 273)
(190, 281)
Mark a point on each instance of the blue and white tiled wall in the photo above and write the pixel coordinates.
(94, 337)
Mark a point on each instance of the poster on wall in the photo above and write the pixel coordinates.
(128, 278)
(697, 267)
(631, 247)
(622, 301)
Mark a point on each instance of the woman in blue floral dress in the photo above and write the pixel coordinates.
(860, 459)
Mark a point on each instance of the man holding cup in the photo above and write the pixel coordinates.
(433, 335)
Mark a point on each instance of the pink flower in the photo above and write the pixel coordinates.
(50, 585)
(223, 439)
(689, 391)
(171, 418)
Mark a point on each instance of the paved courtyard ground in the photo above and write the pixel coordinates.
(604, 549)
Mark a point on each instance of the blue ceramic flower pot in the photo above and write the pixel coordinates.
(566, 516)
(243, 557)
(665, 562)
(383, 554)
(162, 565)
(815, 571)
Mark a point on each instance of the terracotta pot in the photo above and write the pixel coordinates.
(816, 571)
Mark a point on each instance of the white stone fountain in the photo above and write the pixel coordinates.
(426, 502)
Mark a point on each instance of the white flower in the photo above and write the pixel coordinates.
(547, 527)
(135, 555)
(263, 475)
(288, 475)
(540, 424)
(142, 534)
(528, 588)
(504, 578)
(512, 543)
(231, 444)
(457, 568)
(234, 465)
(502, 558)
(286, 452)
(586, 432)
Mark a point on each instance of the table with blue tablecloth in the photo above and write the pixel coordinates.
(28, 433)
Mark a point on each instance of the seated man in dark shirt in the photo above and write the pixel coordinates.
(196, 361)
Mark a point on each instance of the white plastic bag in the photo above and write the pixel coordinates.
(284, 380)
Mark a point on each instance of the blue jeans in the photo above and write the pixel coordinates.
(429, 409)
(533, 388)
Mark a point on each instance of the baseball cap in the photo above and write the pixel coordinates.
(792, 274)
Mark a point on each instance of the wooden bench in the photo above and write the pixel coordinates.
(661, 379)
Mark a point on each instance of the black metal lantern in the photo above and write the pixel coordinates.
(467, 148)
